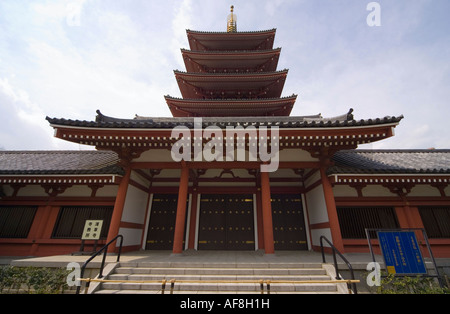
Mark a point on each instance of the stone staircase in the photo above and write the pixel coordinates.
(214, 278)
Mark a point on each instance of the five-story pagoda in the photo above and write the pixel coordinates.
(231, 74)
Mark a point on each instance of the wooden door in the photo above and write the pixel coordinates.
(226, 222)
(162, 222)
(288, 222)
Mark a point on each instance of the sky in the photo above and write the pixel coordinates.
(68, 58)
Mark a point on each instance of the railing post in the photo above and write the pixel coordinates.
(120, 247)
(88, 283)
(103, 249)
(321, 246)
(335, 250)
(338, 277)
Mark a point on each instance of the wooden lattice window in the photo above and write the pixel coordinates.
(354, 220)
(15, 221)
(71, 220)
(436, 221)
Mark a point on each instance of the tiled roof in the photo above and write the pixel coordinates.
(346, 162)
(317, 121)
(58, 162)
(230, 107)
(426, 161)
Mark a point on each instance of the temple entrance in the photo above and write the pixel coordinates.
(226, 222)
(288, 222)
(162, 222)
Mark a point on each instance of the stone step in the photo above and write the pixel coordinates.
(216, 278)
(218, 265)
(208, 292)
(149, 277)
(221, 271)
(222, 287)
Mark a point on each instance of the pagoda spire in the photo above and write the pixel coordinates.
(232, 22)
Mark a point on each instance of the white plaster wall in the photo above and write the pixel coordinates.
(317, 233)
(295, 154)
(155, 155)
(130, 236)
(32, 190)
(312, 179)
(108, 190)
(344, 190)
(134, 211)
(317, 208)
(376, 190)
(447, 191)
(169, 173)
(424, 190)
(136, 177)
(7, 189)
(135, 205)
(77, 191)
(317, 211)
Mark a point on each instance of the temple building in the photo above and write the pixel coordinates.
(231, 170)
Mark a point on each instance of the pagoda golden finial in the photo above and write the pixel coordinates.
(232, 22)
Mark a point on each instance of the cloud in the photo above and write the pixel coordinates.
(272, 6)
(180, 22)
(22, 124)
(116, 70)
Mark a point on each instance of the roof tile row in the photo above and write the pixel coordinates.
(346, 162)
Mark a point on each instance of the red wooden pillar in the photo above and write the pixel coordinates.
(118, 209)
(181, 211)
(267, 213)
(39, 226)
(331, 210)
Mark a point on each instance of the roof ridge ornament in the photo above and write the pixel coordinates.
(232, 22)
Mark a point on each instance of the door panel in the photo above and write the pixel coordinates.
(162, 222)
(226, 222)
(288, 222)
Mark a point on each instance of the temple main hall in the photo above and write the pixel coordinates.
(228, 198)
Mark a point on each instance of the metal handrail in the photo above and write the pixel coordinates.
(335, 250)
(104, 250)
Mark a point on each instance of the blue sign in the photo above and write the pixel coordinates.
(401, 252)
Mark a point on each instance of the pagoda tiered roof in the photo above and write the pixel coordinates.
(203, 41)
(231, 107)
(231, 85)
(231, 61)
